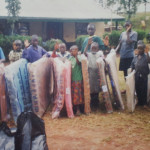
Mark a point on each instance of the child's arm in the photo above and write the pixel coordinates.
(148, 58)
(26, 44)
(86, 48)
(54, 51)
(132, 65)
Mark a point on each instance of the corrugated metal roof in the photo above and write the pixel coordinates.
(62, 10)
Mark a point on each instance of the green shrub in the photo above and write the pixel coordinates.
(7, 41)
(141, 34)
(148, 37)
(49, 45)
(114, 38)
(79, 41)
(106, 34)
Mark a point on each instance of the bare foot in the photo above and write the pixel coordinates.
(78, 113)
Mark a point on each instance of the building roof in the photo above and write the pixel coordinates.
(62, 10)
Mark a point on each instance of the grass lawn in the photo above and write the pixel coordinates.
(100, 131)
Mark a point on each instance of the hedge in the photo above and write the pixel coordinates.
(49, 45)
(7, 41)
(79, 40)
(141, 34)
(115, 35)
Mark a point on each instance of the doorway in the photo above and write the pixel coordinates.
(55, 30)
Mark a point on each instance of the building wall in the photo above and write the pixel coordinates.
(38, 28)
(70, 35)
(99, 28)
(69, 32)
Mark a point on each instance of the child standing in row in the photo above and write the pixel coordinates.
(17, 51)
(34, 52)
(140, 65)
(93, 71)
(77, 83)
(62, 51)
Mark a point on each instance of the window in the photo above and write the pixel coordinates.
(81, 29)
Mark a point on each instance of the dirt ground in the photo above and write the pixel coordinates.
(101, 131)
(98, 131)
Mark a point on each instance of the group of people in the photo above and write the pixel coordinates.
(138, 62)
(93, 48)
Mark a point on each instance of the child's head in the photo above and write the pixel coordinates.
(17, 45)
(140, 47)
(62, 48)
(74, 50)
(94, 47)
(91, 29)
(128, 24)
(35, 40)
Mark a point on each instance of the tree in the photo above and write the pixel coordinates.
(13, 7)
(145, 3)
(129, 6)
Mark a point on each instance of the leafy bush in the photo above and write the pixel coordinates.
(49, 45)
(106, 34)
(141, 34)
(7, 41)
(79, 41)
(113, 37)
(148, 37)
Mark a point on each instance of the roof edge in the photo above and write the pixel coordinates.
(65, 19)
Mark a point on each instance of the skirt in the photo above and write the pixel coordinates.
(125, 63)
(77, 92)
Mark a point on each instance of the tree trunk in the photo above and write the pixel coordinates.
(12, 28)
(129, 11)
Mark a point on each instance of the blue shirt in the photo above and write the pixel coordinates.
(32, 54)
(127, 50)
(2, 56)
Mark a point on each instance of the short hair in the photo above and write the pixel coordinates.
(127, 23)
(94, 44)
(62, 44)
(141, 43)
(91, 24)
(34, 37)
(17, 42)
(73, 47)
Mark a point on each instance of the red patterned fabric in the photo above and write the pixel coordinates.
(3, 103)
(77, 92)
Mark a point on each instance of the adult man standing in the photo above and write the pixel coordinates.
(126, 46)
